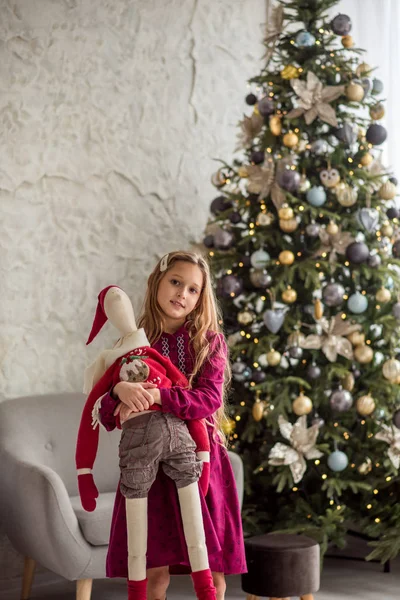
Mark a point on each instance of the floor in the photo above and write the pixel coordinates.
(341, 580)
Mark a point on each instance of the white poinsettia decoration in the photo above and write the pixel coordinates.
(333, 244)
(314, 100)
(274, 29)
(302, 440)
(250, 128)
(332, 340)
(391, 435)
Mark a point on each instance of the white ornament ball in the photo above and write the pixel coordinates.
(259, 259)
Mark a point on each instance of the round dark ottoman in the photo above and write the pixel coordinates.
(281, 566)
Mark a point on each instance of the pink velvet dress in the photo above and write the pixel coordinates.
(221, 512)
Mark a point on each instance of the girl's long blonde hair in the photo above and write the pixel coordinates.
(205, 317)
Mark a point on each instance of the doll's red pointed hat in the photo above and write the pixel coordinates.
(100, 317)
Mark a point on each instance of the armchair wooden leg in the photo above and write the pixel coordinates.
(252, 597)
(29, 571)
(307, 597)
(83, 589)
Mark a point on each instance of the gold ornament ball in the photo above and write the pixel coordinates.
(346, 195)
(356, 338)
(286, 212)
(377, 111)
(362, 132)
(286, 257)
(302, 405)
(366, 159)
(273, 358)
(363, 354)
(243, 172)
(348, 382)
(387, 191)
(258, 410)
(290, 72)
(288, 225)
(289, 295)
(295, 339)
(245, 317)
(290, 139)
(318, 309)
(264, 219)
(391, 370)
(362, 69)
(218, 179)
(365, 467)
(275, 125)
(332, 228)
(228, 426)
(347, 41)
(355, 92)
(365, 405)
(383, 295)
(387, 229)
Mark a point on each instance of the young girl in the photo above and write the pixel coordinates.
(181, 321)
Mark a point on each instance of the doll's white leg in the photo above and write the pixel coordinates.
(192, 518)
(136, 520)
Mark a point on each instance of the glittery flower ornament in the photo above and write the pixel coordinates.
(391, 435)
(314, 100)
(302, 440)
(250, 128)
(331, 338)
(333, 243)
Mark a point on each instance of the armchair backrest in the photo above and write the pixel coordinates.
(42, 429)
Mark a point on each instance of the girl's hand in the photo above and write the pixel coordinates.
(135, 395)
(124, 411)
(156, 395)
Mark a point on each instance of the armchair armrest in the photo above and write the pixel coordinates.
(237, 467)
(39, 519)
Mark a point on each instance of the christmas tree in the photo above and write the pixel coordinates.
(304, 244)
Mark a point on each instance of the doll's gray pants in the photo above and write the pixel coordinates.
(152, 440)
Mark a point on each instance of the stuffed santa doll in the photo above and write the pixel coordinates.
(132, 359)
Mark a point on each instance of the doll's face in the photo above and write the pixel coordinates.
(178, 293)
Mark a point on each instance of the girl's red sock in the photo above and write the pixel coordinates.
(137, 590)
(204, 585)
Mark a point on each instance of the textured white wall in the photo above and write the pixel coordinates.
(110, 114)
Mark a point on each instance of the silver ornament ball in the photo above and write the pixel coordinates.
(333, 294)
(341, 400)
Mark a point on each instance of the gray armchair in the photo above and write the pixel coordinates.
(39, 503)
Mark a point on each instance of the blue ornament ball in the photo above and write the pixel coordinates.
(316, 196)
(357, 303)
(337, 461)
(377, 86)
(305, 39)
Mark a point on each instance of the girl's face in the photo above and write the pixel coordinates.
(178, 293)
